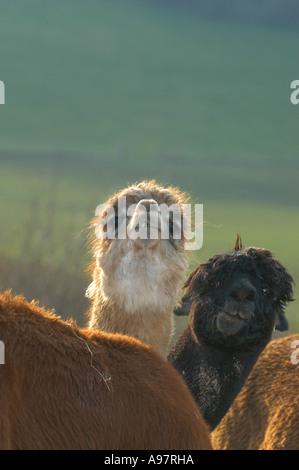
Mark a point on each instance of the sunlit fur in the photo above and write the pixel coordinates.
(69, 388)
(135, 283)
(265, 415)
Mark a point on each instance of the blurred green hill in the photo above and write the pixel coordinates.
(104, 76)
(274, 13)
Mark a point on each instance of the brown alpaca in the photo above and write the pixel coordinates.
(135, 283)
(265, 415)
(62, 387)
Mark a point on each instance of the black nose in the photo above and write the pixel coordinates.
(240, 300)
(242, 291)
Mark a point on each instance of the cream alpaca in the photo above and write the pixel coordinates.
(135, 283)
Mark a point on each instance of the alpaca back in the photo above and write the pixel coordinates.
(265, 415)
(72, 388)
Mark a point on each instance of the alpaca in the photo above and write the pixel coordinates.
(64, 387)
(235, 300)
(265, 415)
(135, 282)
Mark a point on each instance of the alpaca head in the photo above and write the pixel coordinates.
(137, 267)
(236, 299)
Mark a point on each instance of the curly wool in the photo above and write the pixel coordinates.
(206, 286)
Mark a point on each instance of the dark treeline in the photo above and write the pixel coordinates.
(274, 13)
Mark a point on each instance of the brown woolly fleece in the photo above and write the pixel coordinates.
(135, 283)
(62, 387)
(265, 415)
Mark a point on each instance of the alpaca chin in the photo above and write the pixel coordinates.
(229, 325)
(144, 280)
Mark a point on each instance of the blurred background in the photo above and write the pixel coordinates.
(101, 94)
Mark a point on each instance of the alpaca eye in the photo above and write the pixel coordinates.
(266, 291)
(171, 230)
(118, 222)
(116, 225)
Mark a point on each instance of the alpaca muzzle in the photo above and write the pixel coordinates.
(238, 308)
(240, 300)
(146, 224)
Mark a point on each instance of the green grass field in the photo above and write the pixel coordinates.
(96, 76)
(47, 211)
(102, 94)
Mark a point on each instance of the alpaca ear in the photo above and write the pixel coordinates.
(238, 245)
(194, 280)
(184, 308)
(91, 290)
(281, 323)
(286, 296)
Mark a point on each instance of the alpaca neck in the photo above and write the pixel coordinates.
(154, 329)
(214, 375)
(227, 372)
(136, 304)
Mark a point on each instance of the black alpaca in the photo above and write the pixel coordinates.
(234, 301)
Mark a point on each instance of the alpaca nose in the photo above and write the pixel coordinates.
(149, 209)
(147, 204)
(143, 227)
(242, 291)
(240, 300)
